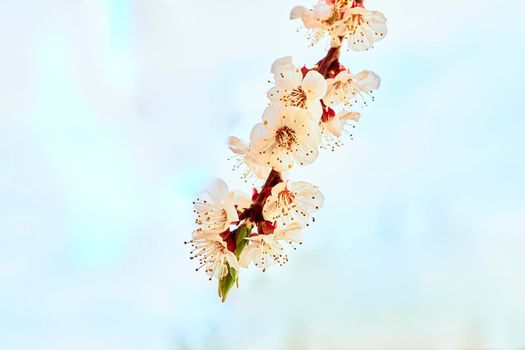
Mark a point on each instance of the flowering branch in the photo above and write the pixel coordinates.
(234, 230)
(331, 56)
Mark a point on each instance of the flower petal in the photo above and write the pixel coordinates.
(280, 64)
(334, 126)
(281, 161)
(218, 191)
(297, 11)
(316, 109)
(367, 80)
(349, 116)
(306, 155)
(293, 233)
(314, 85)
(237, 146)
(247, 255)
(241, 200)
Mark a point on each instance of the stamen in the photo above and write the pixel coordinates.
(296, 98)
(285, 138)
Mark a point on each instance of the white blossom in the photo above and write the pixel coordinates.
(292, 202)
(321, 18)
(292, 233)
(281, 67)
(218, 209)
(213, 255)
(245, 156)
(264, 251)
(342, 19)
(287, 135)
(333, 128)
(361, 28)
(292, 90)
(267, 250)
(347, 88)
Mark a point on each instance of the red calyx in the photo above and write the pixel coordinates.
(227, 237)
(305, 70)
(358, 3)
(266, 228)
(255, 194)
(328, 113)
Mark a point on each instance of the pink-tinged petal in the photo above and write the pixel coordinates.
(377, 23)
(297, 11)
(278, 188)
(368, 80)
(313, 135)
(241, 200)
(293, 233)
(354, 11)
(355, 116)
(273, 116)
(323, 11)
(270, 206)
(281, 64)
(343, 76)
(229, 208)
(306, 155)
(309, 19)
(281, 160)
(334, 126)
(257, 165)
(316, 110)
(275, 93)
(248, 255)
(285, 61)
(292, 78)
(257, 136)
(218, 191)
(208, 235)
(314, 84)
(308, 195)
(237, 146)
(295, 116)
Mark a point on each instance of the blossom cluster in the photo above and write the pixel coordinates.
(343, 20)
(310, 109)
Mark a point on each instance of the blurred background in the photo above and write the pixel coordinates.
(114, 115)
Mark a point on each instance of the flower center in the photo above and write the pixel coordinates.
(285, 198)
(296, 98)
(338, 85)
(341, 5)
(343, 87)
(285, 137)
(355, 22)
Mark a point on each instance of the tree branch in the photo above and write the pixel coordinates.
(254, 212)
(331, 56)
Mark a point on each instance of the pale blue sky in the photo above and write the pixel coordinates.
(114, 115)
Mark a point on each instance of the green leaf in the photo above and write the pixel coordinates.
(240, 239)
(226, 283)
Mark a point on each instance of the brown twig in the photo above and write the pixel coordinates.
(254, 212)
(331, 56)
